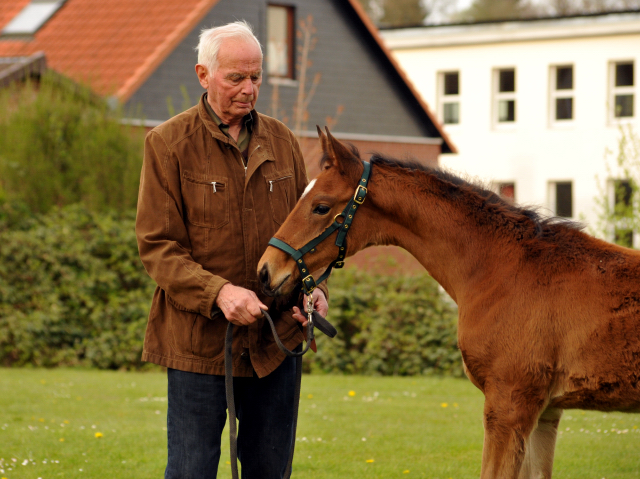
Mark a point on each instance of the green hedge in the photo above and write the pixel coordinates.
(389, 325)
(73, 292)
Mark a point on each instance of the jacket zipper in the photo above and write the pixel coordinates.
(214, 183)
(271, 182)
(248, 157)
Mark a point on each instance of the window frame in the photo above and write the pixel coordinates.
(444, 98)
(499, 96)
(622, 90)
(291, 43)
(556, 94)
(31, 18)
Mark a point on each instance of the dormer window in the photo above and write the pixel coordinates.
(32, 17)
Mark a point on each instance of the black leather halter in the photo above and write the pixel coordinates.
(347, 215)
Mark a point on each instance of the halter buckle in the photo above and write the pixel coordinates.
(359, 196)
(339, 264)
(309, 284)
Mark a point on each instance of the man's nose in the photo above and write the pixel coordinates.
(247, 86)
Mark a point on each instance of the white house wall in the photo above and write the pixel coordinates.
(531, 152)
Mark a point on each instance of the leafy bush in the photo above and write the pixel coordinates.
(73, 292)
(388, 325)
(60, 144)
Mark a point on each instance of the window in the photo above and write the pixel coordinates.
(449, 97)
(561, 198)
(622, 90)
(280, 41)
(505, 95)
(506, 190)
(562, 93)
(32, 17)
(622, 195)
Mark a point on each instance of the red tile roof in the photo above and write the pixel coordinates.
(113, 45)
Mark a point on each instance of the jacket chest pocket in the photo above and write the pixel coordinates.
(206, 199)
(280, 190)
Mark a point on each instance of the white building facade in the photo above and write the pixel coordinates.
(532, 106)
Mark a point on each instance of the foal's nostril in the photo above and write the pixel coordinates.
(264, 275)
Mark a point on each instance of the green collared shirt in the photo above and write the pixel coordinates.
(245, 133)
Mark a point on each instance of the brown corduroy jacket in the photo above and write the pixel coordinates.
(203, 220)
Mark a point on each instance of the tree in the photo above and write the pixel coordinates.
(618, 199)
(397, 13)
(61, 144)
(486, 10)
(578, 7)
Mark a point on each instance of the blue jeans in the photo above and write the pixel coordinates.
(197, 414)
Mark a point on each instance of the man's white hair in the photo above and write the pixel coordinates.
(211, 39)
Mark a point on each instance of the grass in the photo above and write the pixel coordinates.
(350, 426)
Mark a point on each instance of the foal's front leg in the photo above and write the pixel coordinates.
(509, 418)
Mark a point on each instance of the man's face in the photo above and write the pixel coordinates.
(233, 87)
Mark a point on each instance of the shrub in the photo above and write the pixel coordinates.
(60, 144)
(388, 325)
(73, 292)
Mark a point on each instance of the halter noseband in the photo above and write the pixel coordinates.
(308, 283)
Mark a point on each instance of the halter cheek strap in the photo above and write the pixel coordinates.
(347, 215)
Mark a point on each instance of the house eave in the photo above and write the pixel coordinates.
(438, 36)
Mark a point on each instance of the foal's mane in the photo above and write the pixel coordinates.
(525, 223)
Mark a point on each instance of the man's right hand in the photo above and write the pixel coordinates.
(239, 305)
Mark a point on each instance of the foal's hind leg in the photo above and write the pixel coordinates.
(538, 461)
(509, 419)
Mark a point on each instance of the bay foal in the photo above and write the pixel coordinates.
(549, 317)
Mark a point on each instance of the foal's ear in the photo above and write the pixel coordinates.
(339, 156)
(323, 139)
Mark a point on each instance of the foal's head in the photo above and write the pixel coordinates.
(317, 208)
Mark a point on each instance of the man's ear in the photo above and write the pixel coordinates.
(203, 75)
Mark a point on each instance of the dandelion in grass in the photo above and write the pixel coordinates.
(62, 439)
(98, 435)
(444, 404)
(352, 393)
(369, 461)
(310, 396)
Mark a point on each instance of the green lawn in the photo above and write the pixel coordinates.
(386, 428)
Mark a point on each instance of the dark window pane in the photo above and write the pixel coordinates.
(564, 108)
(507, 110)
(564, 78)
(624, 106)
(507, 191)
(564, 199)
(507, 80)
(451, 113)
(624, 74)
(451, 86)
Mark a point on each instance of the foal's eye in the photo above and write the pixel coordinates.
(321, 210)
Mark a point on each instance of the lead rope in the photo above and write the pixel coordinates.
(315, 319)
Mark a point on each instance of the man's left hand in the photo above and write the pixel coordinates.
(319, 304)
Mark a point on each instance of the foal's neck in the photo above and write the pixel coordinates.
(415, 215)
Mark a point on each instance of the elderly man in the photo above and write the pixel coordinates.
(216, 183)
